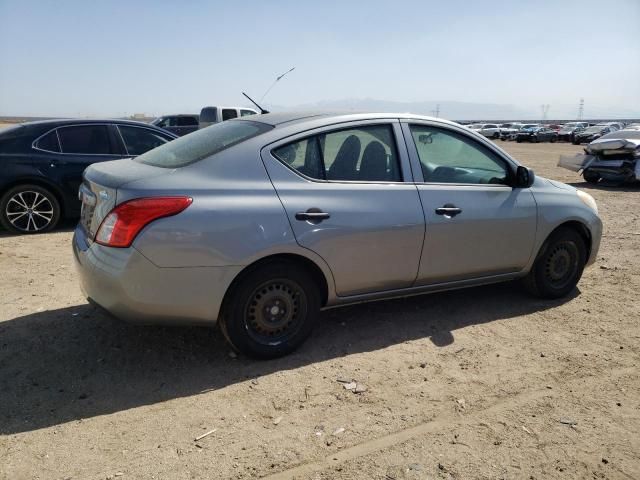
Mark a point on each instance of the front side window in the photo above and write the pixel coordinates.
(228, 114)
(49, 142)
(451, 157)
(140, 140)
(85, 139)
(365, 154)
(202, 143)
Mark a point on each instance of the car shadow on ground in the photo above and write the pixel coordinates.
(74, 363)
(608, 186)
(64, 226)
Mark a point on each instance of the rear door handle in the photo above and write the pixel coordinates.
(448, 210)
(313, 215)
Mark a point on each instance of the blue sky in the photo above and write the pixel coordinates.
(114, 58)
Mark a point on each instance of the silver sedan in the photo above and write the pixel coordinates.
(257, 224)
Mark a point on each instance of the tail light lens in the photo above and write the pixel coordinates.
(125, 221)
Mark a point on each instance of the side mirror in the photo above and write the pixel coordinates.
(425, 138)
(524, 177)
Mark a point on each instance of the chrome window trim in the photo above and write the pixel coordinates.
(33, 144)
(345, 125)
(126, 149)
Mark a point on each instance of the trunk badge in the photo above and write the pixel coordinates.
(103, 195)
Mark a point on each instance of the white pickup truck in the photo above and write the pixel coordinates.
(211, 115)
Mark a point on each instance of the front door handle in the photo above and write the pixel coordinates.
(449, 210)
(313, 215)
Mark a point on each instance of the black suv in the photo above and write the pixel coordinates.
(41, 165)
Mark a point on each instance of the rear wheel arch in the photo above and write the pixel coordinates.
(291, 258)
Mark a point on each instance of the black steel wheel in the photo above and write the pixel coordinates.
(271, 310)
(28, 209)
(559, 265)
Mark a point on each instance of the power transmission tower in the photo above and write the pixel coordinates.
(436, 112)
(545, 109)
(581, 109)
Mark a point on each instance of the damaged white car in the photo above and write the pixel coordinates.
(615, 157)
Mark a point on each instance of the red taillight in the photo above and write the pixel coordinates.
(124, 222)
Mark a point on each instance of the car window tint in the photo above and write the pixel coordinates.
(450, 157)
(366, 154)
(228, 114)
(244, 113)
(202, 143)
(140, 140)
(187, 121)
(49, 142)
(86, 139)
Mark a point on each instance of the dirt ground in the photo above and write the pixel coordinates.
(479, 383)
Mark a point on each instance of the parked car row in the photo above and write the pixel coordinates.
(575, 132)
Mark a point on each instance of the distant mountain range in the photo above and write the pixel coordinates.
(453, 110)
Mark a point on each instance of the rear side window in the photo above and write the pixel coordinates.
(364, 154)
(187, 121)
(244, 113)
(202, 143)
(85, 139)
(229, 113)
(140, 140)
(209, 115)
(49, 142)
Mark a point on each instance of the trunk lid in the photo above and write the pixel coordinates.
(100, 183)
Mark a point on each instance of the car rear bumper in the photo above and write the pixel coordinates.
(129, 286)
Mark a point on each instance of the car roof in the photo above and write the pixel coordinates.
(279, 119)
(75, 121)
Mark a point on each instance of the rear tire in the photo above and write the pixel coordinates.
(271, 311)
(559, 265)
(28, 209)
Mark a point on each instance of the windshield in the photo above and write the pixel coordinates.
(594, 129)
(202, 143)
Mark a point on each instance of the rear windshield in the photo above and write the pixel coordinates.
(630, 134)
(202, 143)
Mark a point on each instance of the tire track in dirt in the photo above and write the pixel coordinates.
(402, 436)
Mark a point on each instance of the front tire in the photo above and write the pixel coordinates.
(271, 311)
(28, 209)
(559, 265)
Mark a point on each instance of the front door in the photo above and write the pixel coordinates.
(349, 197)
(477, 225)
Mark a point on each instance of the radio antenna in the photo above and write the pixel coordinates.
(262, 110)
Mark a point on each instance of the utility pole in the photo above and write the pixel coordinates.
(545, 109)
(436, 112)
(581, 109)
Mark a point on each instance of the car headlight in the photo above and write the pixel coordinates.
(588, 200)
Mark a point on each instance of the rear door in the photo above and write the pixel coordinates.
(477, 225)
(349, 197)
(80, 146)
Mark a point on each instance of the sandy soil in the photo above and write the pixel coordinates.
(482, 383)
